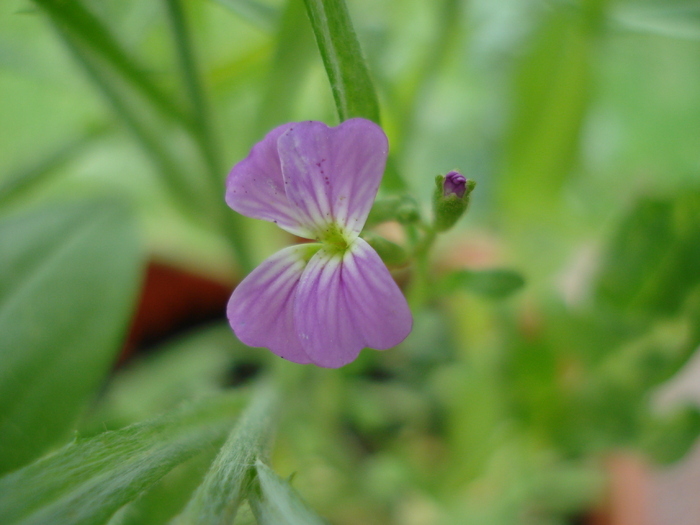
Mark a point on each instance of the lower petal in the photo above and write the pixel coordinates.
(378, 308)
(324, 324)
(345, 303)
(260, 310)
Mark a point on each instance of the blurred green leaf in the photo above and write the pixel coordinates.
(88, 480)
(73, 18)
(263, 15)
(202, 130)
(551, 92)
(351, 84)
(191, 367)
(67, 286)
(496, 283)
(291, 63)
(24, 180)
(225, 486)
(653, 260)
(278, 503)
(667, 439)
(182, 190)
(675, 21)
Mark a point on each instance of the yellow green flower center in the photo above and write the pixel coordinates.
(334, 239)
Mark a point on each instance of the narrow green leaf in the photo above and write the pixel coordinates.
(291, 63)
(182, 192)
(262, 15)
(351, 84)
(278, 503)
(551, 93)
(24, 180)
(203, 133)
(88, 480)
(495, 283)
(680, 21)
(226, 484)
(73, 18)
(67, 286)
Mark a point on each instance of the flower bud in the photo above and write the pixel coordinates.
(451, 199)
(454, 184)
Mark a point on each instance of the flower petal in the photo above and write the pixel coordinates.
(345, 303)
(255, 186)
(260, 310)
(332, 174)
(379, 309)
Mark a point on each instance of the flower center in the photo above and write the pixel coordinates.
(334, 239)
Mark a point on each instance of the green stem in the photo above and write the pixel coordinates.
(174, 179)
(73, 19)
(420, 289)
(203, 134)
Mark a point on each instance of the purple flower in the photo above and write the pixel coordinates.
(319, 302)
(455, 184)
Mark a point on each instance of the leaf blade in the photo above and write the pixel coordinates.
(278, 503)
(110, 468)
(347, 72)
(224, 487)
(63, 266)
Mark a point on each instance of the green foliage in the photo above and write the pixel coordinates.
(652, 264)
(67, 286)
(496, 283)
(111, 468)
(577, 119)
(667, 439)
(351, 84)
(225, 486)
(277, 503)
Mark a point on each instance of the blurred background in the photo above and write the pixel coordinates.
(553, 383)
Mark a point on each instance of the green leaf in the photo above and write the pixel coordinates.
(226, 484)
(667, 439)
(73, 18)
(278, 503)
(351, 84)
(291, 63)
(675, 21)
(67, 287)
(88, 480)
(651, 264)
(24, 180)
(191, 367)
(263, 15)
(551, 93)
(202, 130)
(497, 283)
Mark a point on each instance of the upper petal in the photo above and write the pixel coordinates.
(260, 310)
(333, 174)
(255, 186)
(347, 302)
